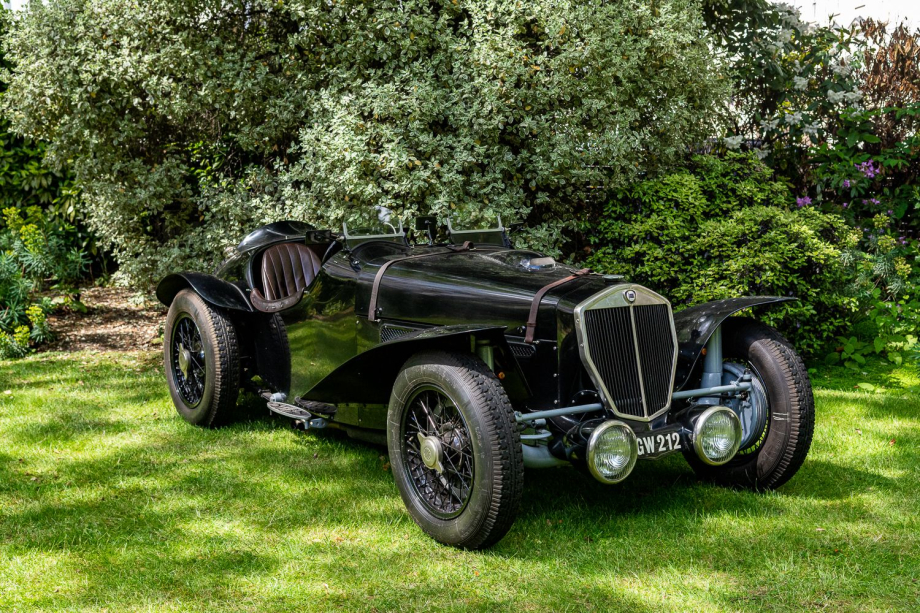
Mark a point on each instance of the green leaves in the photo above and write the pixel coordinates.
(189, 122)
(721, 229)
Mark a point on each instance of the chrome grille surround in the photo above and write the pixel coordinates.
(630, 386)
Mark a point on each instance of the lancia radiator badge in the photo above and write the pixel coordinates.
(630, 295)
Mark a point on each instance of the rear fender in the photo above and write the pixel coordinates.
(212, 290)
(696, 324)
(368, 377)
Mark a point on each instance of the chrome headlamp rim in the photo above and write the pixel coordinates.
(698, 441)
(592, 448)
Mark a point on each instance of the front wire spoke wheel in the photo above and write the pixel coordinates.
(438, 452)
(455, 449)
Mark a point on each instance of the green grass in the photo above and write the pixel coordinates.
(109, 501)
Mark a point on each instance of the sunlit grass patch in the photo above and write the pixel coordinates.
(108, 500)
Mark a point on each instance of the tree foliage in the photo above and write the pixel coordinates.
(186, 122)
(24, 179)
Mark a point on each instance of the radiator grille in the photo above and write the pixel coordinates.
(632, 348)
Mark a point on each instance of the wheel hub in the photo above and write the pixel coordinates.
(753, 408)
(432, 452)
(185, 356)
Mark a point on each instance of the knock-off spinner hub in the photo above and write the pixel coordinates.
(432, 452)
(185, 356)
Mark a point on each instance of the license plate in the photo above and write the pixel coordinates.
(659, 442)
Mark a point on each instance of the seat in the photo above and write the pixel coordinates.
(287, 269)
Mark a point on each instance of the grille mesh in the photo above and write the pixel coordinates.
(389, 332)
(656, 354)
(612, 335)
(521, 350)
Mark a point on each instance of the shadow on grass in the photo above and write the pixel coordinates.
(162, 509)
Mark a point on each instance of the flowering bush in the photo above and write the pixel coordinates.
(836, 111)
(791, 79)
(861, 179)
(726, 228)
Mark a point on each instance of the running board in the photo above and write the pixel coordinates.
(317, 408)
(302, 418)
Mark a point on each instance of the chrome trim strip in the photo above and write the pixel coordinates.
(614, 297)
(635, 335)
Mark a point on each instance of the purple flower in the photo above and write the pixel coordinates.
(846, 205)
(868, 169)
(846, 183)
(874, 201)
(890, 212)
(803, 201)
(902, 240)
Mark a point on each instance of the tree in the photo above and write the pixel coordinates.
(24, 179)
(188, 121)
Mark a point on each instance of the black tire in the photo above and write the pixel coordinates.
(779, 451)
(492, 440)
(212, 400)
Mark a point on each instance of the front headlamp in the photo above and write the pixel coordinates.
(717, 435)
(612, 451)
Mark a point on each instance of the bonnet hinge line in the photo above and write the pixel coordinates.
(538, 298)
(378, 278)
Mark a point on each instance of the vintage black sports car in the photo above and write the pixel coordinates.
(472, 360)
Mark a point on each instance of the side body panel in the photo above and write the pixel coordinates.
(368, 377)
(322, 327)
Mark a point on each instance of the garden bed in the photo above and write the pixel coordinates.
(111, 323)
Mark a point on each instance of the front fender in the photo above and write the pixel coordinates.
(368, 377)
(696, 324)
(212, 290)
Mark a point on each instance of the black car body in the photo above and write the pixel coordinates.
(577, 355)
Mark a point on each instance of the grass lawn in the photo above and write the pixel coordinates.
(109, 501)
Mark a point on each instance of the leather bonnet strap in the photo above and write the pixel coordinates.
(538, 298)
(378, 278)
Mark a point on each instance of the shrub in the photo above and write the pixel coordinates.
(725, 228)
(32, 194)
(188, 122)
(34, 254)
(14, 345)
(887, 286)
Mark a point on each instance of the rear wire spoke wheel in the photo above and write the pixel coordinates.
(187, 361)
(201, 360)
(782, 402)
(455, 450)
